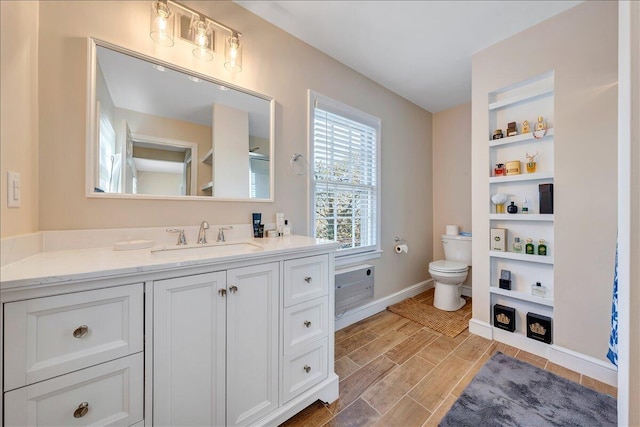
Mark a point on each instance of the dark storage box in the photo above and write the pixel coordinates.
(539, 327)
(504, 317)
(546, 198)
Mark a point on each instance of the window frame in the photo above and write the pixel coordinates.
(349, 255)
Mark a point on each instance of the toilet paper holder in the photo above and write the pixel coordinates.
(400, 245)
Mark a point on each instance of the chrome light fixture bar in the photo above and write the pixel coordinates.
(163, 16)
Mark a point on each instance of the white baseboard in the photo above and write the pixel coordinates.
(355, 315)
(481, 328)
(466, 291)
(586, 365)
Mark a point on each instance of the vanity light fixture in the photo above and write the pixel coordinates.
(201, 34)
(162, 20)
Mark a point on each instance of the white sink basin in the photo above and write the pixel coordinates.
(209, 250)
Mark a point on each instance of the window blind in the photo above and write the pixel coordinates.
(345, 179)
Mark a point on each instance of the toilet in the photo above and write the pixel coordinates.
(450, 273)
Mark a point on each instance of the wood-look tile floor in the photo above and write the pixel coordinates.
(395, 372)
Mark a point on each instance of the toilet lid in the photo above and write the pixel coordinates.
(448, 266)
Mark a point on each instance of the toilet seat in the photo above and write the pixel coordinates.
(444, 266)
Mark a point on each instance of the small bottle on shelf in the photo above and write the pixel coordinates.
(517, 245)
(538, 290)
(525, 206)
(529, 247)
(542, 248)
(512, 208)
(499, 170)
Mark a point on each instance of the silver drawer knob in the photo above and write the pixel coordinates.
(307, 368)
(222, 292)
(82, 410)
(307, 279)
(81, 331)
(233, 289)
(307, 323)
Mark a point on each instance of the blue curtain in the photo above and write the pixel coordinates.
(612, 354)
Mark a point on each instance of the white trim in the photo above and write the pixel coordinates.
(482, 329)
(376, 306)
(337, 107)
(586, 365)
(626, 22)
(467, 291)
(357, 258)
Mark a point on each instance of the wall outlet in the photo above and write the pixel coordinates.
(13, 189)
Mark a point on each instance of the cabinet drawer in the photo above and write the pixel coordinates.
(305, 279)
(47, 337)
(112, 392)
(304, 369)
(304, 323)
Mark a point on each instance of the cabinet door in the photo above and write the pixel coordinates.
(188, 346)
(252, 343)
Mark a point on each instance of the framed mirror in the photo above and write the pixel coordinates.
(156, 130)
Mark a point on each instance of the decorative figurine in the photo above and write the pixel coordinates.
(531, 164)
(497, 134)
(512, 129)
(525, 126)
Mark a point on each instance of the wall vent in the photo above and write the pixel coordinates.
(354, 286)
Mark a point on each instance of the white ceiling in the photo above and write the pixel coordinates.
(420, 50)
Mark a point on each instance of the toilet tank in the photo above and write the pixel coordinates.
(457, 248)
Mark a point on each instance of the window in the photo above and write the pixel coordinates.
(107, 155)
(344, 150)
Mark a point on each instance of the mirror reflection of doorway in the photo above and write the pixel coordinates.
(162, 169)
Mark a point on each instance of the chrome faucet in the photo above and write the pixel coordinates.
(221, 232)
(202, 234)
(181, 239)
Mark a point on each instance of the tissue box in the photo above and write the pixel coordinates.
(498, 241)
(539, 327)
(504, 317)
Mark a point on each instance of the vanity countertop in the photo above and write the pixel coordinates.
(62, 266)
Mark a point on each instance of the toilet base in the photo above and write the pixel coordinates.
(448, 297)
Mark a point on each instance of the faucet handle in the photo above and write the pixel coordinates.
(182, 240)
(221, 232)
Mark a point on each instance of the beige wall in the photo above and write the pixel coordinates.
(451, 172)
(585, 163)
(275, 64)
(19, 114)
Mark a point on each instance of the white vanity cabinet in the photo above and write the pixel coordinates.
(136, 339)
(215, 347)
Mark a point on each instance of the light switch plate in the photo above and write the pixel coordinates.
(13, 189)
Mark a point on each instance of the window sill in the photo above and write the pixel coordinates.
(356, 258)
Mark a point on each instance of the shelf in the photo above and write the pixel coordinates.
(523, 296)
(207, 187)
(522, 217)
(520, 138)
(539, 93)
(208, 157)
(521, 177)
(540, 259)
